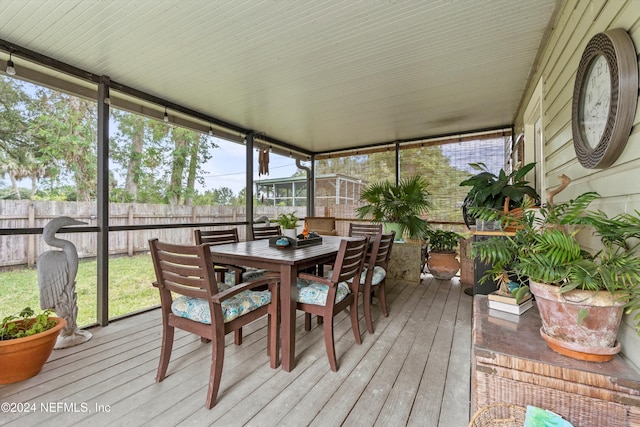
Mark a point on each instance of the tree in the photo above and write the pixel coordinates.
(181, 141)
(47, 135)
(224, 196)
(138, 150)
(17, 153)
(129, 148)
(242, 197)
(50, 138)
(161, 163)
(191, 173)
(190, 151)
(219, 197)
(65, 129)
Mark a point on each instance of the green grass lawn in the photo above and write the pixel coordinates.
(129, 288)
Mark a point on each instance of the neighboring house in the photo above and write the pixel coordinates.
(330, 190)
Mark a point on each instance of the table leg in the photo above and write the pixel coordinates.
(288, 295)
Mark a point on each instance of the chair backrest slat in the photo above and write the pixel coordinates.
(350, 259)
(179, 259)
(187, 270)
(182, 276)
(184, 288)
(384, 249)
(266, 232)
(216, 237)
(360, 229)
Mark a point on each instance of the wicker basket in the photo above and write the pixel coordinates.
(499, 415)
(513, 213)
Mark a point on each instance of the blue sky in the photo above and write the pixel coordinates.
(226, 168)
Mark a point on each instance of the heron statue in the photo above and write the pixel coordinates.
(264, 219)
(57, 281)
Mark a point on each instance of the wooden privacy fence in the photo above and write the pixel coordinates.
(24, 249)
(18, 250)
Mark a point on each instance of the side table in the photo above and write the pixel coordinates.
(511, 363)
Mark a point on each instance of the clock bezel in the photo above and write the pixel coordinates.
(617, 48)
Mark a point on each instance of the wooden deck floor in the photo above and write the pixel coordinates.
(415, 370)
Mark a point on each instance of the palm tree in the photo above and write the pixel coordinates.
(402, 204)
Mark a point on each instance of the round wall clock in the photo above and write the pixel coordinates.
(604, 98)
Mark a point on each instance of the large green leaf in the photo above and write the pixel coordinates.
(403, 204)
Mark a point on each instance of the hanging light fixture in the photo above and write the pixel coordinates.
(166, 116)
(10, 68)
(210, 131)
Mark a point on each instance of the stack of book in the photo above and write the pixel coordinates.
(508, 304)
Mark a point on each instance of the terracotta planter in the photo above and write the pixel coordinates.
(23, 358)
(443, 265)
(592, 339)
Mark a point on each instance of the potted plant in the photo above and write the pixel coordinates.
(442, 261)
(501, 253)
(580, 295)
(399, 207)
(288, 223)
(492, 191)
(26, 342)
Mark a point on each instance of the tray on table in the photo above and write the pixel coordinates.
(296, 243)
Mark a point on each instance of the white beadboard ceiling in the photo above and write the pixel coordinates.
(321, 75)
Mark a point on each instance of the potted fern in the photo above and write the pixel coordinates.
(442, 260)
(399, 207)
(581, 295)
(26, 342)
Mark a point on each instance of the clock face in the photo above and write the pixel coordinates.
(595, 100)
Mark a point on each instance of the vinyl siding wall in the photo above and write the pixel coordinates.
(576, 22)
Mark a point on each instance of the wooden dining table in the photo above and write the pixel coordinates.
(288, 261)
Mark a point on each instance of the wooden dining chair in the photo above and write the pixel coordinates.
(200, 308)
(221, 237)
(373, 277)
(326, 297)
(362, 229)
(240, 273)
(323, 225)
(265, 232)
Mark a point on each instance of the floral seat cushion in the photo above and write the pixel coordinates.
(310, 292)
(224, 286)
(197, 309)
(379, 274)
(250, 274)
